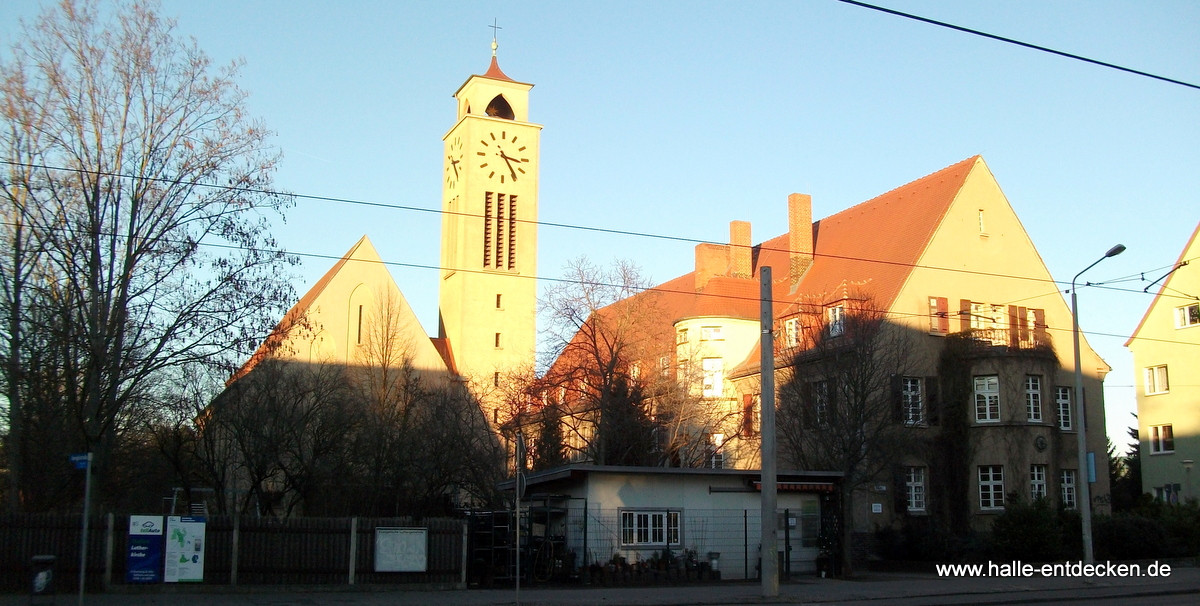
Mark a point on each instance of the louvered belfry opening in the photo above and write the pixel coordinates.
(500, 231)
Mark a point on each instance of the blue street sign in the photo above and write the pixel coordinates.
(81, 460)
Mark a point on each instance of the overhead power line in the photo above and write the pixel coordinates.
(1037, 47)
(588, 228)
(652, 289)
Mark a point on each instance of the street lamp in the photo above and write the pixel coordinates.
(1085, 492)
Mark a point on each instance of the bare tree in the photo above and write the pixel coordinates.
(602, 324)
(836, 407)
(126, 153)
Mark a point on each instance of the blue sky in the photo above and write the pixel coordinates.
(676, 118)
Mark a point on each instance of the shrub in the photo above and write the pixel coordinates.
(1129, 537)
(1032, 532)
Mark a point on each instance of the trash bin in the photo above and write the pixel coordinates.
(714, 560)
(42, 579)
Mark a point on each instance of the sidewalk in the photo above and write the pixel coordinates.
(879, 588)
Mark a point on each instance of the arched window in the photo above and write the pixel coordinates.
(499, 108)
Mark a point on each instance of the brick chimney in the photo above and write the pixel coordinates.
(711, 261)
(739, 250)
(800, 240)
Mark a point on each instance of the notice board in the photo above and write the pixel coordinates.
(401, 549)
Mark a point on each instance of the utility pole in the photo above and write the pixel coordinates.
(770, 563)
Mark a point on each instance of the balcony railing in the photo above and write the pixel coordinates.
(1013, 338)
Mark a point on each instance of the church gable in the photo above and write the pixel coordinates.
(347, 315)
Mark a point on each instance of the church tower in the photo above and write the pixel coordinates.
(488, 294)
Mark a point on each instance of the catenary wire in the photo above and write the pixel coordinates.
(1036, 47)
(654, 289)
(402, 207)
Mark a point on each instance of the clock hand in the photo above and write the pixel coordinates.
(454, 163)
(510, 168)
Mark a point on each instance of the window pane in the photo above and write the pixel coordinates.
(1062, 397)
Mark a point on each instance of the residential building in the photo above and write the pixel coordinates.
(1166, 361)
(986, 388)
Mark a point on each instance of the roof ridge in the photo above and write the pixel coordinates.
(900, 187)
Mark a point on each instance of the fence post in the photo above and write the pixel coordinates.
(787, 543)
(108, 553)
(587, 571)
(463, 580)
(353, 546)
(233, 556)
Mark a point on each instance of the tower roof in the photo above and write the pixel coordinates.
(495, 73)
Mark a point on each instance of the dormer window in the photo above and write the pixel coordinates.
(836, 318)
(499, 108)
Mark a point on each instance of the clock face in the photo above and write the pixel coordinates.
(454, 163)
(502, 157)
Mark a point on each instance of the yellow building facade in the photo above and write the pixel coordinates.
(1166, 360)
(946, 260)
(487, 282)
(488, 291)
(344, 316)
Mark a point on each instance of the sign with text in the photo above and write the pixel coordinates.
(401, 549)
(143, 564)
(185, 550)
(80, 461)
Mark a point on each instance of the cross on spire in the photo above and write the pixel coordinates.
(494, 27)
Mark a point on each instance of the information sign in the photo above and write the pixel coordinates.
(401, 549)
(185, 550)
(144, 560)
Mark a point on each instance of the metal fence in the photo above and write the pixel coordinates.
(238, 550)
(729, 539)
(566, 540)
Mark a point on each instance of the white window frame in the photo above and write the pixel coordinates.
(714, 377)
(711, 333)
(912, 400)
(1062, 397)
(836, 320)
(987, 316)
(664, 366)
(653, 528)
(991, 487)
(1157, 380)
(914, 489)
(717, 459)
(987, 399)
(1067, 489)
(1187, 316)
(820, 396)
(681, 336)
(1162, 439)
(1033, 398)
(1037, 482)
(791, 332)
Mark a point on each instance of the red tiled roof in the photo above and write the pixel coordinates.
(494, 71)
(868, 249)
(442, 345)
